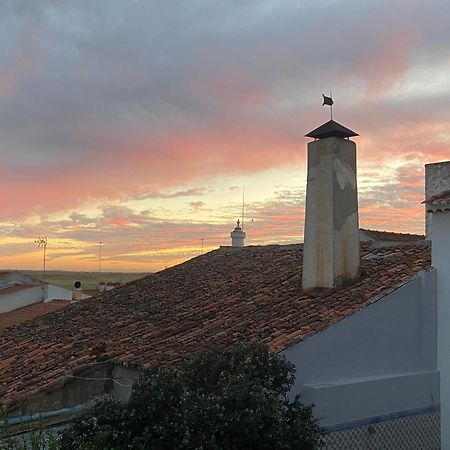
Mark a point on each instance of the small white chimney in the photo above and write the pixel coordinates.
(438, 208)
(437, 180)
(331, 244)
(77, 292)
(237, 236)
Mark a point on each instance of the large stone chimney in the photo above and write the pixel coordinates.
(331, 245)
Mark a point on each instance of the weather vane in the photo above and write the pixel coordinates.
(328, 101)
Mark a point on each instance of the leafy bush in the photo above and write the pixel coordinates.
(233, 398)
(36, 439)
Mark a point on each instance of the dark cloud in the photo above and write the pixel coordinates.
(197, 205)
(191, 192)
(93, 73)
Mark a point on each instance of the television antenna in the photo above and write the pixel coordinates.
(41, 241)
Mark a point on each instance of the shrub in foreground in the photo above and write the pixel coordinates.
(234, 398)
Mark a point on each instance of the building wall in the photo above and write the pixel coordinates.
(56, 409)
(18, 299)
(82, 389)
(33, 293)
(440, 227)
(58, 293)
(379, 361)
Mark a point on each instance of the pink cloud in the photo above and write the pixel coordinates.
(387, 60)
(148, 163)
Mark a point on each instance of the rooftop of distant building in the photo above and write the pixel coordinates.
(30, 312)
(212, 300)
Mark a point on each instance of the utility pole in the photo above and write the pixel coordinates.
(99, 257)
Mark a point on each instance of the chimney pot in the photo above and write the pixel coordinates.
(237, 236)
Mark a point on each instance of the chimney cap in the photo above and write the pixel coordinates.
(331, 129)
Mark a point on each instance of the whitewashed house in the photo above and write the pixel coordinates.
(18, 290)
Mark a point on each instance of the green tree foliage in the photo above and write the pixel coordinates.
(234, 398)
(37, 438)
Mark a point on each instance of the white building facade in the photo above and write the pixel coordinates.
(438, 206)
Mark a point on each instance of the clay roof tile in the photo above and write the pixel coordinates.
(215, 299)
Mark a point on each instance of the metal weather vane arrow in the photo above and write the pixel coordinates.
(329, 102)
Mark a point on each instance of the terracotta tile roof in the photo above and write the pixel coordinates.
(214, 299)
(439, 202)
(389, 236)
(91, 292)
(5, 272)
(30, 312)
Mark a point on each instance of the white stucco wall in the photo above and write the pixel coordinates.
(379, 361)
(18, 299)
(58, 293)
(440, 231)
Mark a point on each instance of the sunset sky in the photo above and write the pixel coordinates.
(136, 123)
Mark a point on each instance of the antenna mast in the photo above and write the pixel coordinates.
(243, 206)
(99, 257)
(41, 241)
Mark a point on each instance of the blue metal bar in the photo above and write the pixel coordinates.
(379, 419)
(44, 415)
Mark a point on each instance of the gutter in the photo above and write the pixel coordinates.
(45, 415)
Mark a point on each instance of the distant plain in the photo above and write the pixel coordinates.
(89, 280)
